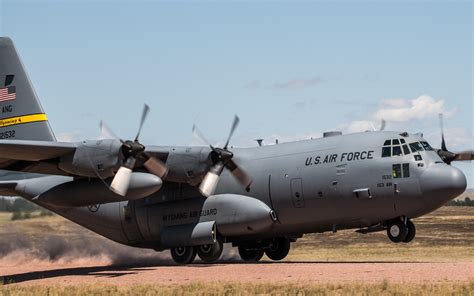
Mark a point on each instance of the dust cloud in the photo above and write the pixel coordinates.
(19, 249)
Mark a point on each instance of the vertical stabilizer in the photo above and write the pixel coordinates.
(21, 114)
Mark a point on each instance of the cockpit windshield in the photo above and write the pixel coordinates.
(395, 147)
(416, 146)
(426, 146)
(399, 147)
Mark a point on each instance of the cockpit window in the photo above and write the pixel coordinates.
(416, 146)
(394, 147)
(405, 149)
(426, 146)
(386, 151)
(397, 151)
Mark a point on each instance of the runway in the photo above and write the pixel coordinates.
(237, 272)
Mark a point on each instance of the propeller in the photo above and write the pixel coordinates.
(221, 158)
(131, 151)
(448, 156)
(383, 123)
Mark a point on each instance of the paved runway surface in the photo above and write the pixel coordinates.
(168, 274)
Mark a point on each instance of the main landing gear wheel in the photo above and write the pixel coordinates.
(411, 231)
(183, 255)
(250, 254)
(279, 248)
(397, 231)
(211, 252)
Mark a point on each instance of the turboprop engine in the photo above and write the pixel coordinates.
(93, 158)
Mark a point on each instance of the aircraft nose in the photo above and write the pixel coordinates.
(441, 183)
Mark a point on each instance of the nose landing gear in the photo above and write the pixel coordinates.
(399, 231)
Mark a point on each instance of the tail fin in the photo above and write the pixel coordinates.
(21, 114)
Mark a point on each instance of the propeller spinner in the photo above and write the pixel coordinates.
(221, 158)
(131, 151)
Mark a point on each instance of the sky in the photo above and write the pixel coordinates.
(290, 69)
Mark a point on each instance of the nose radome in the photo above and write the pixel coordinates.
(442, 182)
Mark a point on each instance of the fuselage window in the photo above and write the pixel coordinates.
(397, 151)
(406, 170)
(396, 170)
(426, 146)
(416, 146)
(386, 151)
(405, 149)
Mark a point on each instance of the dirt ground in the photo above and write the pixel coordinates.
(282, 272)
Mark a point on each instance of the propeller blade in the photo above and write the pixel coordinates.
(146, 109)
(209, 183)
(242, 177)
(121, 181)
(155, 166)
(382, 125)
(232, 130)
(198, 134)
(106, 132)
(443, 143)
(465, 155)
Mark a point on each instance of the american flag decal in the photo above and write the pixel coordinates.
(7, 93)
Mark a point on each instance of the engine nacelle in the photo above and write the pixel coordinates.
(93, 157)
(86, 192)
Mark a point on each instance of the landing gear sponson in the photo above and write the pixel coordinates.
(401, 230)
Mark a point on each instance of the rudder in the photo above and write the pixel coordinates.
(21, 114)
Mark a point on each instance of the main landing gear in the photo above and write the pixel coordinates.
(275, 249)
(207, 253)
(401, 230)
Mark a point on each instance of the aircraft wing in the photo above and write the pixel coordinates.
(34, 150)
(33, 156)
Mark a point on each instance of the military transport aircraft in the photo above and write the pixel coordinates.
(191, 200)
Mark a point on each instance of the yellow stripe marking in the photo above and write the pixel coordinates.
(23, 119)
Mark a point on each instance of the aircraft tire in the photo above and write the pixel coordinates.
(210, 253)
(250, 255)
(397, 231)
(183, 255)
(411, 232)
(279, 249)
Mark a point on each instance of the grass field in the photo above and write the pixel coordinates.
(444, 235)
(5, 218)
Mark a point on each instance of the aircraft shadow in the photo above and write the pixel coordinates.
(112, 271)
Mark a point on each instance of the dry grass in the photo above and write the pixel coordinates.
(444, 235)
(5, 218)
(384, 288)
